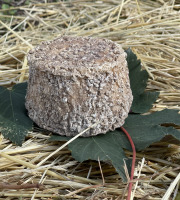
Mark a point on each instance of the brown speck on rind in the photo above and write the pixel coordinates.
(75, 82)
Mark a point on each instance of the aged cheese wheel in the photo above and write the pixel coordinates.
(75, 82)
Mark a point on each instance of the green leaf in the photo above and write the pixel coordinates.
(144, 131)
(147, 129)
(5, 6)
(58, 138)
(142, 101)
(100, 147)
(14, 122)
(12, 12)
(27, 2)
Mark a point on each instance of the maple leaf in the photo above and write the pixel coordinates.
(142, 100)
(14, 122)
(144, 130)
(147, 129)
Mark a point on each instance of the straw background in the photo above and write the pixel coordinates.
(152, 30)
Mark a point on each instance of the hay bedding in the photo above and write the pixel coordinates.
(152, 30)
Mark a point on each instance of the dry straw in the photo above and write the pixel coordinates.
(152, 29)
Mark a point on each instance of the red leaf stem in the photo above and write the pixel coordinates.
(133, 162)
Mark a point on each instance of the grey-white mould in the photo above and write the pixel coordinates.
(77, 81)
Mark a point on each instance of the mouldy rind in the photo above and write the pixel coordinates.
(75, 82)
